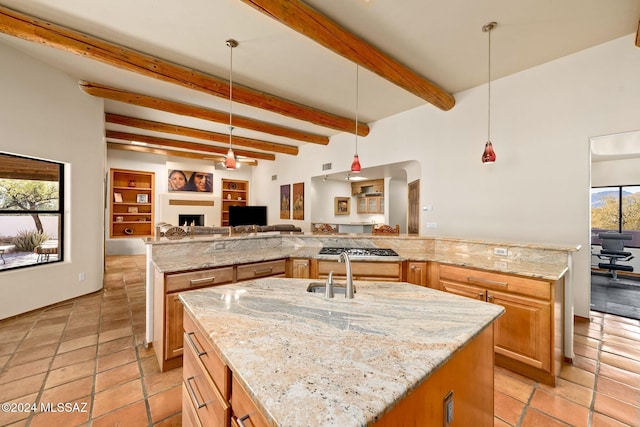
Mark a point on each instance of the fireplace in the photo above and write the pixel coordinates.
(188, 219)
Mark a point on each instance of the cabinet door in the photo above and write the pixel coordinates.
(463, 290)
(362, 205)
(417, 273)
(372, 205)
(523, 332)
(173, 326)
(300, 268)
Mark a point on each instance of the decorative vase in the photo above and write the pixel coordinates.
(132, 183)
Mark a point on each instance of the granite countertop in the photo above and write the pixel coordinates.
(307, 360)
(546, 271)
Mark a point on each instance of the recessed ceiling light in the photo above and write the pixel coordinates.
(138, 143)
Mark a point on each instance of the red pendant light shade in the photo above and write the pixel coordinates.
(355, 165)
(489, 156)
(230, 160)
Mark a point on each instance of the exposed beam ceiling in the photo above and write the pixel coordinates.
(39, 31)
(200, 134)
(182, 109)
(166, 142)
(12, 167)
(174, 153)
(308, 21)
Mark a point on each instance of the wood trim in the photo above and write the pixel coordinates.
(180, 202)
(638, 35)
(166, 142)
(307, 21)
(37, 30)
(200, 134)
(163, 152)
(140, 100)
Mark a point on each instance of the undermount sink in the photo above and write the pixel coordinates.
(320, 287)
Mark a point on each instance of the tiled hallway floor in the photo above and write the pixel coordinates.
(89, 352)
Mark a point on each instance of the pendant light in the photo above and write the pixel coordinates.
(230, 159)
(489, 156)
(355, 165)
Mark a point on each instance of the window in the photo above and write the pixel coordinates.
(616, 209)
(31, 211)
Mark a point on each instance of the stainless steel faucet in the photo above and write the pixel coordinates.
(328, 290)
(347, 261)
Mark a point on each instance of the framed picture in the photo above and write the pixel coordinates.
(341, 205)
(132, 209)
(285, 201)
(180, 180)
(117, 197)
(298, 200)
(119, 218)
(142, 198)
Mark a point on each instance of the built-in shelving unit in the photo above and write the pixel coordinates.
(235, 192)
(131, 206)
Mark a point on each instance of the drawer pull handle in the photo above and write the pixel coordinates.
(192, 393)
(193, 345)
(241, 419)
(263, 271)
(481, 280)
(489, 297)
(203, 280)
(413, 267)
(481, 294)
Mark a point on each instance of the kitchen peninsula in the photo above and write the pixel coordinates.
(388, 357)
(530, 281)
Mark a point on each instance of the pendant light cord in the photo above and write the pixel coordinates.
(489, 89)
(230, 93)
(357, 92)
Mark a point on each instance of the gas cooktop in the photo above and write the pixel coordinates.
(358, 251)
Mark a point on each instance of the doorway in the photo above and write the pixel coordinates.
(413, 222)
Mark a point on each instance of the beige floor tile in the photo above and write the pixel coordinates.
(577, 375)
(560, 408)
(22, 387)
(134, 415)
(617, 409)
(22, 357)
(63, 418)
(571, 391)
(70, 373)
(156, 383)
(77, 343)
(534, 418)
(117, 397)
(166, 403)
(115, 345)
(512, 386)
(116, 376)
(73, 391)
(25, 370)
(115, 334)
(9, 417)
(118, 358)
(621, 362)
(600, 420)
(74, 356)
(507, 408)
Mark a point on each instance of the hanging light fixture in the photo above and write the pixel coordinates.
(489, 156)
(230, 159)
(355, 165)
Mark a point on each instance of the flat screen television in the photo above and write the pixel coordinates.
(247, 215)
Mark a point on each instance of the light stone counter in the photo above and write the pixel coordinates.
(307, 360)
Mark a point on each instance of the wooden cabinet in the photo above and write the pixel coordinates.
(370, 205)
(167, 310)
(211, 394)
(298, 268)
(372, 186)
(131, 205)
(416, 272)
(528, 337)
(360, 270)
(235, 192)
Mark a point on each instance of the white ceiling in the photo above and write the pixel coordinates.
(442, 41)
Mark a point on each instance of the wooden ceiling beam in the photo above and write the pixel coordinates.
(36, 30)
(307, 21)
(200, 134)
(174, 107)
(174, 153)
(166, 142)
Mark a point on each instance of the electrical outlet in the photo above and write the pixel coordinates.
(432, 225)
(82, 277)
(501, 251)
(218, 245)
(447, 410)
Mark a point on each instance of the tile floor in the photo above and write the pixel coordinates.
(89, 351)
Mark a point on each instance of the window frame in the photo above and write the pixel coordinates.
(594, 239)
(59, 212)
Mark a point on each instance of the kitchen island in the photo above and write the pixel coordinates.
(389, 356)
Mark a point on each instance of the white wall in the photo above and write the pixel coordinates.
(44, 115)
(538, 190)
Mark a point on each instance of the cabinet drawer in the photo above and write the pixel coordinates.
(211, 408)
(244, 408)
(189, 416)
(502, 282)
(201, 347)
(260, 269)
(196, 279)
